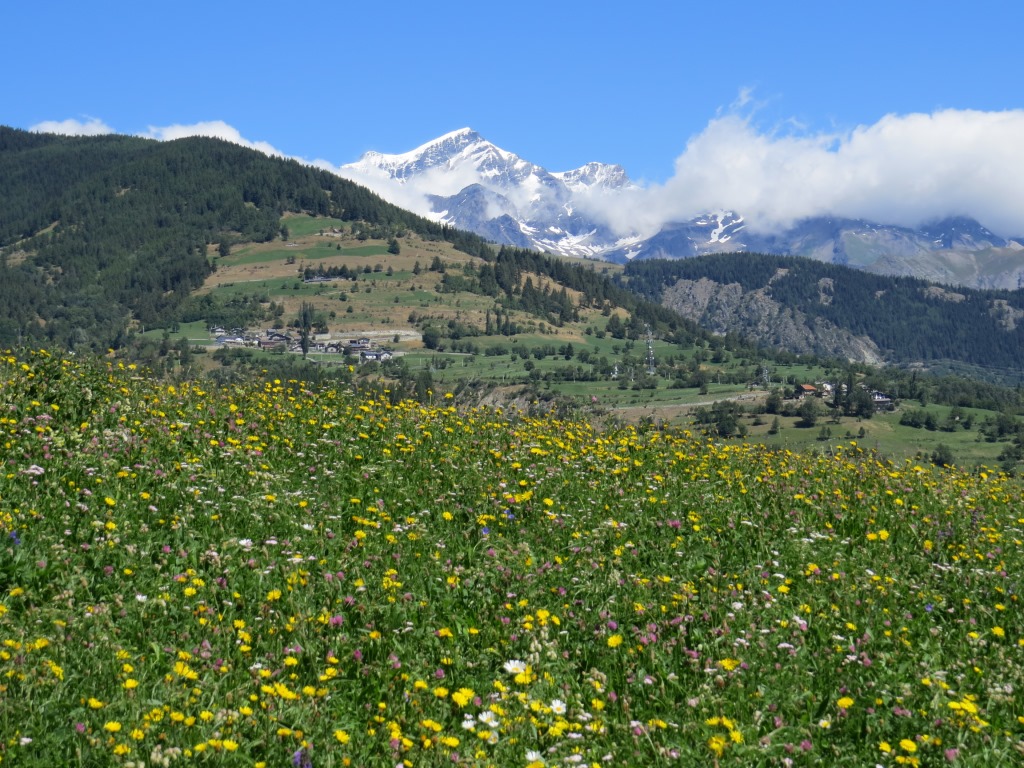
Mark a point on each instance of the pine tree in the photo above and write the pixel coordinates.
(305, 326)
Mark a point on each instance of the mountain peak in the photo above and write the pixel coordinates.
(595, 175)
(444, 152)
(461, 138)
(961, 231)
(457, 133)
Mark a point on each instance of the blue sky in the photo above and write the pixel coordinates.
(558, 83)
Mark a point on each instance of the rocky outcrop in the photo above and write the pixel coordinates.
(938, 292)
(754, 314)
(1008, 317)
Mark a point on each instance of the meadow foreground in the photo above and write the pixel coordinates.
(270, 575)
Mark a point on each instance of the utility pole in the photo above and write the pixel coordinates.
(650, 350)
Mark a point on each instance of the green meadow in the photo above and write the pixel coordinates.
(273, 574)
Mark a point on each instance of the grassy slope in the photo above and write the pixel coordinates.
(241, 576)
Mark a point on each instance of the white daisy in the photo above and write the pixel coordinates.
(515, 666)
(488, 718)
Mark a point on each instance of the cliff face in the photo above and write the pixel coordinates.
(723, 308)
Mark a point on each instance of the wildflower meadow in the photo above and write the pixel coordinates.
(272, 575)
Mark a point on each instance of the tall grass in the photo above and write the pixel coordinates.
(269, 575)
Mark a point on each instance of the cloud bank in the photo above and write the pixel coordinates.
(91, 127)
(904, 169)
(214, 129)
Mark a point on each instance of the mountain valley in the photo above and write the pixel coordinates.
(146, 248)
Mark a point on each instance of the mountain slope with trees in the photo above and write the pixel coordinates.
(903, 320)
(102, 234)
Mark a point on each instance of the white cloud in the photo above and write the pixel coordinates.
(904, 169)
(216, 129)
(411, 196)
(92, 126)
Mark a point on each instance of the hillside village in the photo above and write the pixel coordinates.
(825, 389)
(364, 349)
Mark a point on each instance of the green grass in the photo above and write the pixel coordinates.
(305, 254)
(304, 225)
(274, 289)
(194, 331)
(884, 434)
(276, 573)
(364, 250)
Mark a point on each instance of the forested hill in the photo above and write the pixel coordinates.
(907, 319)
(99, 232)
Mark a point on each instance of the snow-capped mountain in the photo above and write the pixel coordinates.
(963, 233)
(472, 184)
(595, 175)
(715, 232)
(455, 154)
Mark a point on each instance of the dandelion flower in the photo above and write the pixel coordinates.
(717, 745)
